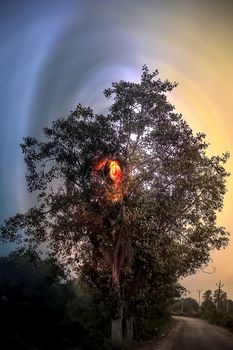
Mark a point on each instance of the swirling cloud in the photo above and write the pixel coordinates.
(55, 54)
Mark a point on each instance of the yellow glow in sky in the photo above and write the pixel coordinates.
(196, 50)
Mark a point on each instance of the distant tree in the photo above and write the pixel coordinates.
(191, 305)
(188, 305)
(207, 296)
(132, 195)
(208, 305)
(220, 299)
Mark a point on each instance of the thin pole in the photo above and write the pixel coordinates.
(219, 285)
(199, 296)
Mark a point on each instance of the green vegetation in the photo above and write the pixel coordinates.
(128, 242)
(217, 309)
(186, 306)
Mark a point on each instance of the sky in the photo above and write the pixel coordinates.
(55, 54)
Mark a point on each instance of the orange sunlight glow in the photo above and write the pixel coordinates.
(110, 169)
(115, 172)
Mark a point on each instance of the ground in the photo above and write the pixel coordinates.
(186, 333)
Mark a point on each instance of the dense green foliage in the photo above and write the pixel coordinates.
(131, 251)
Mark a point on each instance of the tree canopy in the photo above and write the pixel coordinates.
(157, 223)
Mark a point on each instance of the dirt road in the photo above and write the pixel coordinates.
(197, 334)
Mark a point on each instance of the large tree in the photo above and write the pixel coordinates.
(133, 194)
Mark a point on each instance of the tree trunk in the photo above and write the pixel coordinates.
(127, 323)
(117, 311)
(116, 333)
(129, 328)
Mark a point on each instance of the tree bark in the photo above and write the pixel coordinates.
(117, 312)
(129, 329)
(116, 334)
